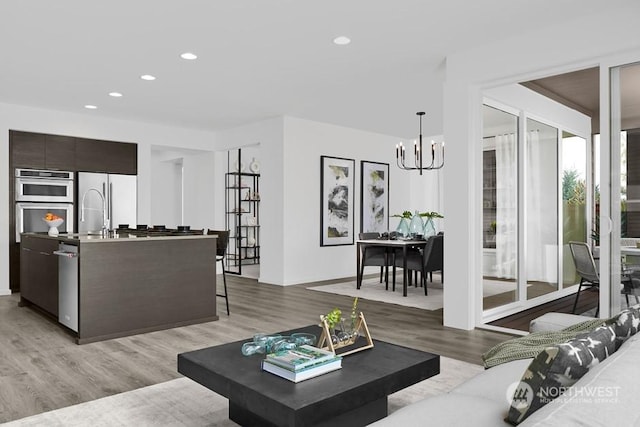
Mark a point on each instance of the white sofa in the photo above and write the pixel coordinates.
(605, 396)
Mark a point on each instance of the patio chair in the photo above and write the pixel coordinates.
(586, 268)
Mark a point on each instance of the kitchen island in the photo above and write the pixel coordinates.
(125, 284)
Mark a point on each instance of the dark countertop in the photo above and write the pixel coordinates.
(76, 238)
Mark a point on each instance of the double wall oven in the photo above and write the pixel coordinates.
(38, 192)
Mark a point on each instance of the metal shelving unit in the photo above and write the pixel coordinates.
(242, 216)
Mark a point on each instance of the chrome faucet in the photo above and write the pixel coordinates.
(105, 218)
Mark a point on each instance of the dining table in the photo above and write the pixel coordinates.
(403, 244)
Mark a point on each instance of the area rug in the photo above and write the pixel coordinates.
(373, 290)
(182, 402)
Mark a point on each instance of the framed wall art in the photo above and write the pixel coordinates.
(337, 182)
(374, 197)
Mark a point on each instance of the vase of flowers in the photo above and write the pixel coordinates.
(429, 228)
(416, 226)
(403, 226)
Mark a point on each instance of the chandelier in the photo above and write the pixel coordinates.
(418, 152)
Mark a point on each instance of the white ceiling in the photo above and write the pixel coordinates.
(257, 58)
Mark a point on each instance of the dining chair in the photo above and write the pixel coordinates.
(222, 242)
(376, 256)
(430, 259)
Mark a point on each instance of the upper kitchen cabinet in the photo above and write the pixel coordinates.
(60, 152)
(42, 151)
(106, 156)
(27, 149)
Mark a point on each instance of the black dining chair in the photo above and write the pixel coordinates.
(376, 256)
(222, 242)
(430, 259)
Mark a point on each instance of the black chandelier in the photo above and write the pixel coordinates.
(417, 153)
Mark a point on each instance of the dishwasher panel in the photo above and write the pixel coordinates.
(68, 285)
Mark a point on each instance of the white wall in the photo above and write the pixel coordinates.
(552, 50)
(305, 141)
(289, 154)
(88, 126)
(166, 190)
(198, 190)
(269, 134)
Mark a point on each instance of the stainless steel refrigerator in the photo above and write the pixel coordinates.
(120, 200)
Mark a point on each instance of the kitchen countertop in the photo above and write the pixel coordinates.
(75, 238)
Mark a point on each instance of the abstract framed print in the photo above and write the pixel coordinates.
(337, 182)
(374, 197)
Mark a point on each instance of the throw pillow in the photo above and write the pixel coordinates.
(626, 324)
(557, 368)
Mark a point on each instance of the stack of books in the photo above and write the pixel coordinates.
(301, 363)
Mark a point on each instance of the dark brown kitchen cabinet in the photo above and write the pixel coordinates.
(32, 150)
(39, 272)
(60, 152)
(106, 156)
(27, 149)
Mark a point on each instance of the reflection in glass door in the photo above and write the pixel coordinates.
(574, 201)
(499, 207)
(624, 183)
(541, 206)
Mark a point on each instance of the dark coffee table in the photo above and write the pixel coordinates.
(355, 395)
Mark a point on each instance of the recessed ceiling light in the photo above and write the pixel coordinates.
(342, 40)
(188, 55)
(148, 77)
(115, 94)
(90, 107)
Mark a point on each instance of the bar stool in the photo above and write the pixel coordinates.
(223, 241)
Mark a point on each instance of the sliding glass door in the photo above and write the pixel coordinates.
(499, 207)
(534, 180)
(541, 208)
(575, 199)
(621, 215)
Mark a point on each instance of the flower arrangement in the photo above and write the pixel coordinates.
(431, 215)
(405, 214)
(409, 215)
(333, 317)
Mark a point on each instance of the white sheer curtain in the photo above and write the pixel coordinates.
(506, 206)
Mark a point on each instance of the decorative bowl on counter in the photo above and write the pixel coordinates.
(53, 225)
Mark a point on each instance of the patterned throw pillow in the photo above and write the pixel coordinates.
(557, 368)
(626, 324)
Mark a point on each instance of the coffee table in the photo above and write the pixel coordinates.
(355, 395)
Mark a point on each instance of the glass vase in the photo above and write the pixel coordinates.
(416, 226)
(403, 228)
(429, 228)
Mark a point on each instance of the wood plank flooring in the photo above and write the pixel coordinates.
(588, 300)
(41, 368)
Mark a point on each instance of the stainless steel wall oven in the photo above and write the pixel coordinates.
(38, 192)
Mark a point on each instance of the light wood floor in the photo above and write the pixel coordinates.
(42, 369)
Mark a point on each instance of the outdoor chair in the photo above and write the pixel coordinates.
(586, 268)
